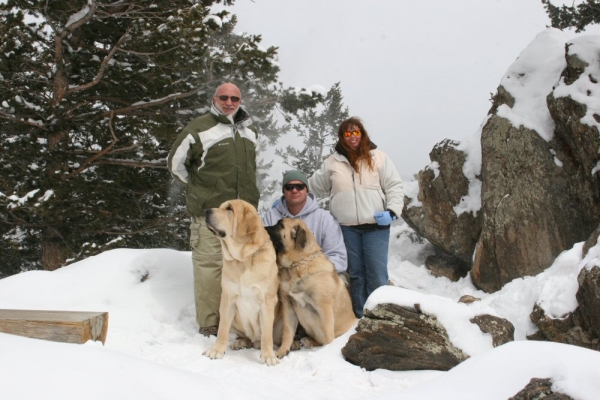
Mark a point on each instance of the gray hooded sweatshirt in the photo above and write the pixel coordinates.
(326, 229)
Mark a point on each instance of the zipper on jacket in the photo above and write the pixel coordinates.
(237, 160)
(355, 196)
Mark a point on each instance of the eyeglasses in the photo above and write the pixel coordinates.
(291, 186)
(234, 99)
(353, 133)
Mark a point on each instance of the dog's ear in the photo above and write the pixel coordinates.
(299, 234)
(248, 223)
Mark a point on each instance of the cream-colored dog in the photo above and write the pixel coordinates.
(310, 289)
(249, 280)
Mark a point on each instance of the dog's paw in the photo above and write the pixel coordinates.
(270, 359)
(214, 353)
(282, 353)
(241, 343)
(296, 345)
(308, 342)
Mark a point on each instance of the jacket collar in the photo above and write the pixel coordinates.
(342, 151)
(310, 206)
(240, 116)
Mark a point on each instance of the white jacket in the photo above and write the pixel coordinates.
(356, 197)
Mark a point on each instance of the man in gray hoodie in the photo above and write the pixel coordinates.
(297, 202)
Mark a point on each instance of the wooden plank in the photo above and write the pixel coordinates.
(57, 326)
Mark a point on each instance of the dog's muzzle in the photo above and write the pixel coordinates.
(210, 225)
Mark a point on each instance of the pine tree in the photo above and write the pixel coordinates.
(92, 95)
(317, 127)
(577, 17)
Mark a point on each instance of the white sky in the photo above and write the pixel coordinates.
(153, 350)
(416, 72)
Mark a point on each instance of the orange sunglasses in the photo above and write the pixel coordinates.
(353, 133)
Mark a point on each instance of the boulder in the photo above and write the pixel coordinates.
(441, 188)
(588, 294)
(588, 297)
(539, 388)
(442, 264)
(582, 326)
(529, 212)
(566, 329)
(401, 339)
(502, 330)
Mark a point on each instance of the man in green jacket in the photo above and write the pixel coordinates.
(215, 156)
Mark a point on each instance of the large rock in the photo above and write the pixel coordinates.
(581, 327)
(441, 189)
(566, 329)
(401, 339)
(588, 297)
(530, 209)
(538, 389)
(588, 294)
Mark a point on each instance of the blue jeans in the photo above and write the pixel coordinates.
(367, 262)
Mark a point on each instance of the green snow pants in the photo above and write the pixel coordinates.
(208, 263)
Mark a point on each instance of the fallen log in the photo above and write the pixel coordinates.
(57, 326)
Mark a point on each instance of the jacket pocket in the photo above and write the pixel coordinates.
(194, 235)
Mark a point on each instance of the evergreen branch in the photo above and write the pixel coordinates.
(148, 104)
(137, 53)
(11, 117)
(80, 22)
(155, 225)
(103, 66)
(93, 158)
(114, 151)
(136, 164)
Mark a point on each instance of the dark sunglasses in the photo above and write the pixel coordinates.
(353, 133)
(291, 186)
(234, 99)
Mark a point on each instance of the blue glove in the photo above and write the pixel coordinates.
(384, 218)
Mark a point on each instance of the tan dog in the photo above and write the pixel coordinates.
(249, 280)
(310, 289)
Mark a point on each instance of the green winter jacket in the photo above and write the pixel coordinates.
(216, 159)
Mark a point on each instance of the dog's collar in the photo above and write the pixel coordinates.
(306, 259)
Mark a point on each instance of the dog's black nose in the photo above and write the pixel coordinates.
(208, 211)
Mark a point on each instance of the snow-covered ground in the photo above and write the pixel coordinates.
(153, 349)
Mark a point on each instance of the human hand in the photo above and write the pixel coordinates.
(384, 218)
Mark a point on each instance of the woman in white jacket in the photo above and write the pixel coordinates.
(366, 195)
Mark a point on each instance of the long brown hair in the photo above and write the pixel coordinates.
(363, 151)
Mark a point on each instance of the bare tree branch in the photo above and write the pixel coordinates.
(103, 66)
(90, 160)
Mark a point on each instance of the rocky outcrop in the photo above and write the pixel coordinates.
(588, 297)
(540, 181)
(539, 388)
(566, 329)
(530, 209)
(441, 188)
(401, 339)
(582, 326)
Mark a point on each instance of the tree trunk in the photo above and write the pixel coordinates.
(53, 250)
